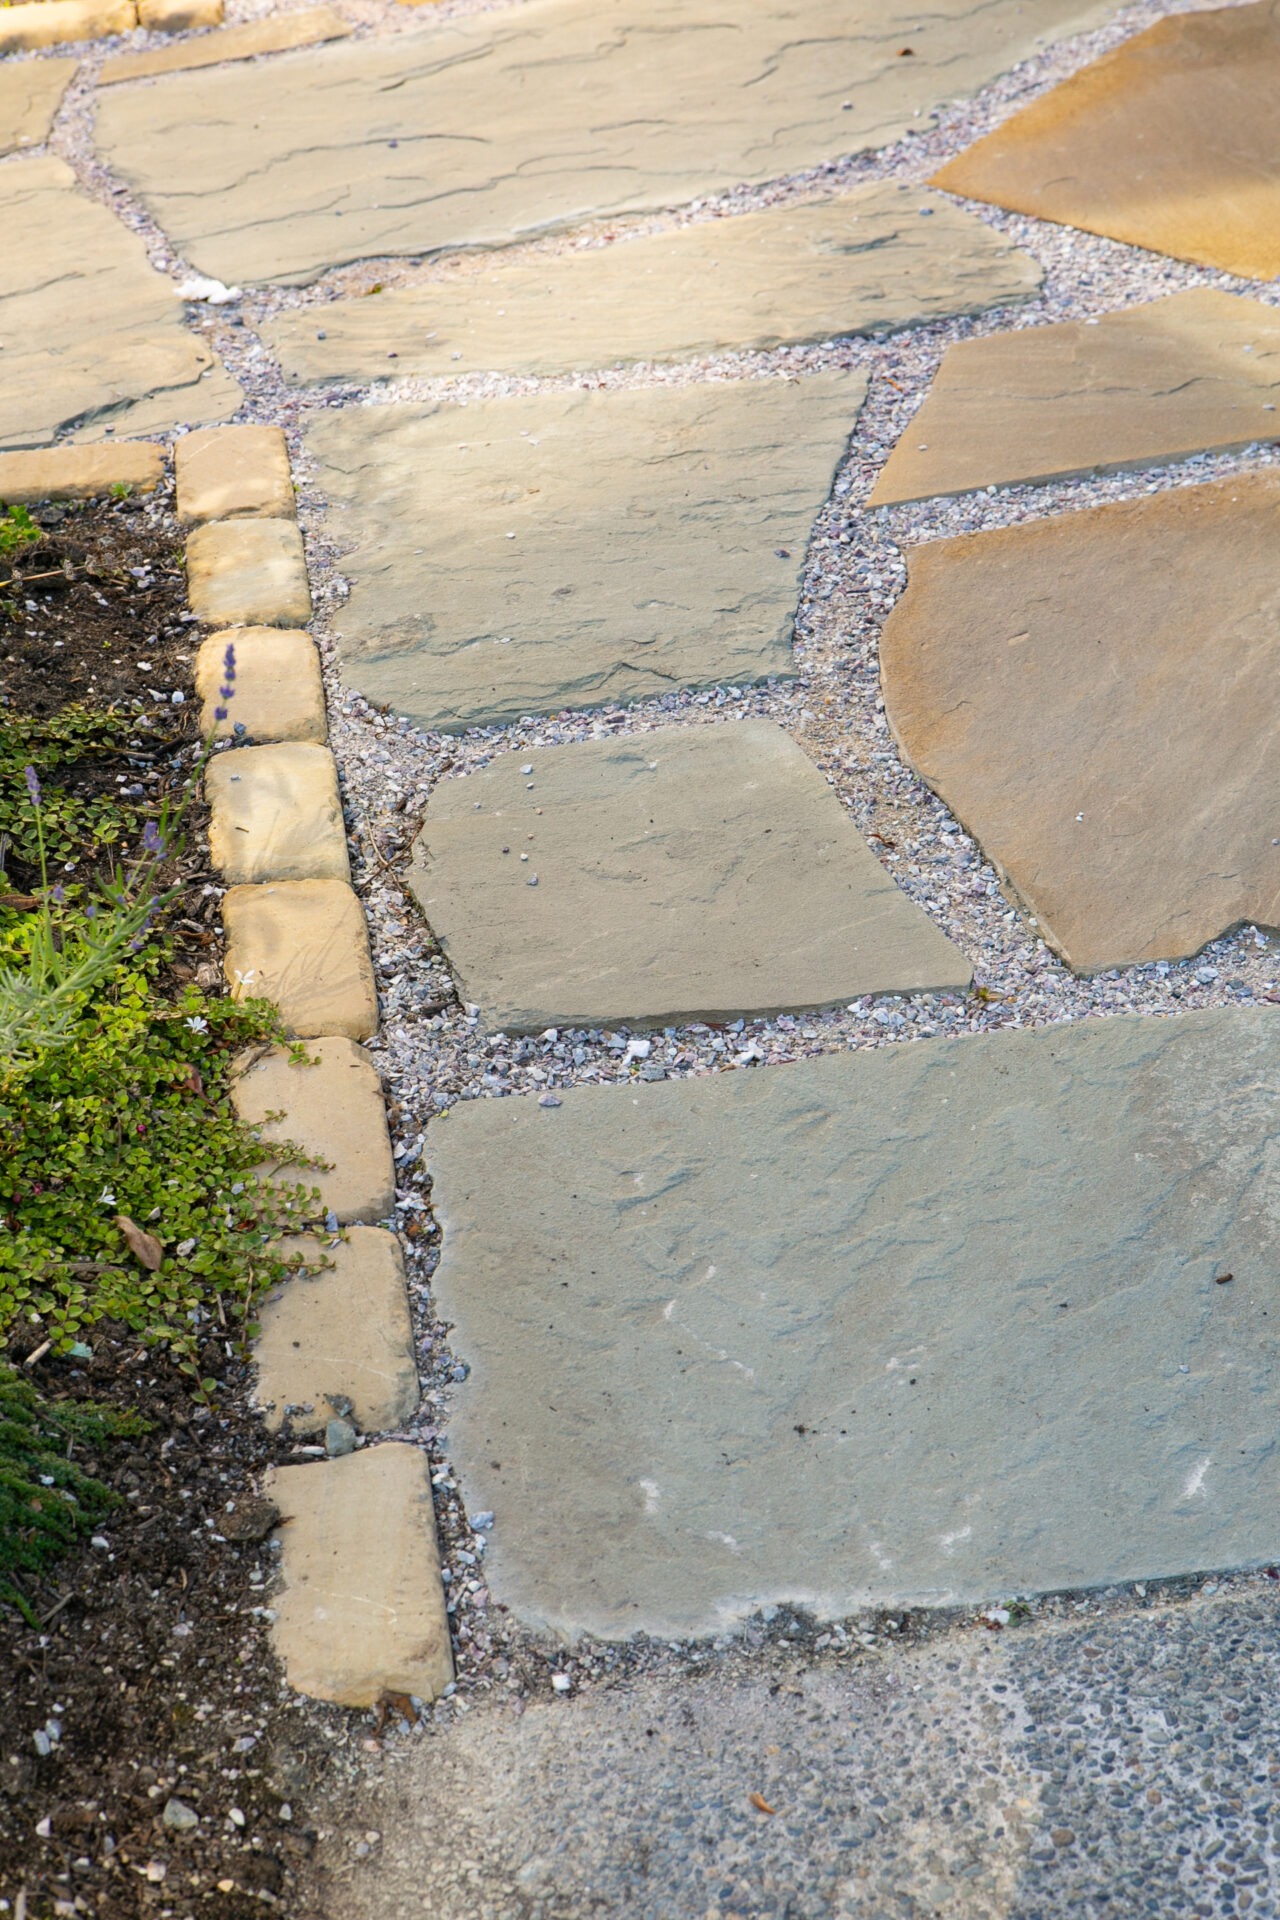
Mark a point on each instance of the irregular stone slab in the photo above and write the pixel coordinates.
(80, 473)
(55, 23)
(438, 139)
(331, 1106)
(1095, 697)
(274, 34)
(65, 258)
(276, 814)
(178, 16)
(654, 859)
(361, 1611)
(226, 473)
(1167, 143)
(564, 549)
(1199, 371)
(248, 573)
(278, 693)
(343, 1333)
(304, 945)
(927, 1324)
(30, 94)
(851, 265)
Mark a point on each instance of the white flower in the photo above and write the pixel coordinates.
(106, 1198)
(197, 1023)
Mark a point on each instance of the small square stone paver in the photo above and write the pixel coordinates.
(929, 1324)
(1199, 371)
(30, 94)
(276, 814)
(248, 573)
(1096, 696)
(360, 1611)
(695, 873)
(304, 945)
(863, 261)
(331, 1107)
(568, 549)
(339, 1333)
(225, 473)
(1168, 142)
(80, 473)
(275, 34)
(278, 693)
(56, 23)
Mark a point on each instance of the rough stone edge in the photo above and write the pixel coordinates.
(80, 472)
(14, 40)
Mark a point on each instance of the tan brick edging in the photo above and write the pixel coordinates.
(56, 23)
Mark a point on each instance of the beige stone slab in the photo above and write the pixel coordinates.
(443, 138)
(278, 692)
(178, 16)
(248, 573)
(65, 258)
(1097, 697)
(55, 23)
(361, 1609)
(698, 872)
(341, 1332)
(304, 945)
(864, 261)
(1168, 143)
(80, 473)
(331, 1106)
(276, 814)
(277, 33)
(565, 549)
(1197, 372)
(30, 94)
(229, 473)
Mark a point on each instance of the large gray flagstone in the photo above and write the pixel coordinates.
(693, 873)
(941, 1322)
(30, 94)
(528, 117)
(566, 549)
(90, 330)
(863, 261)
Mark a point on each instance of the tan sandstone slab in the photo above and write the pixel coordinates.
(304, 945)
(474, 131)
(227, 473)
(278, 693)
(331, 1106)
(864, 261)
(1199, 371)
(178, 16)
(565, 549)
(30, 94)
(694, 873)
(276, 814)
(81, 473)
(1168, 143)
(361, 1608)
(1097, 696)
(275, 34)
(55, 23)
(339, 1333)
(248, 573)
(91, 331)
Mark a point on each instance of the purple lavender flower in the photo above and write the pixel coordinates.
(219, 713)
(152, 838)
(59, 896)
(229, 660)
(33, 785)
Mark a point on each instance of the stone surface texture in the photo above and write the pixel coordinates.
(339, 1332)
(276, 814)
(248, 573)
(692, 873)
(278, 692)
(933, 1323)
(56, 23)
(64, 256)
(274, 173)
(178, 16)
(30, 94)
(275, 33)
(1095, 697)
(565, 549)
(303, 944)
(361, 1609)
(81, 473)
(1167, 143)
(1199, 371)
(331, 1107)
(226, 473)
(758, 280)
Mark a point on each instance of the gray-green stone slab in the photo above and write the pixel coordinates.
(524, 118)
(693, 873)
(568, 549)
(933, 1323)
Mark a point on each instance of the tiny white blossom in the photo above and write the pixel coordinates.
(106, 1198)
(197, 1023)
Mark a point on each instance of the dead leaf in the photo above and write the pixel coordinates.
(760, 1804)
(144, 1246)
